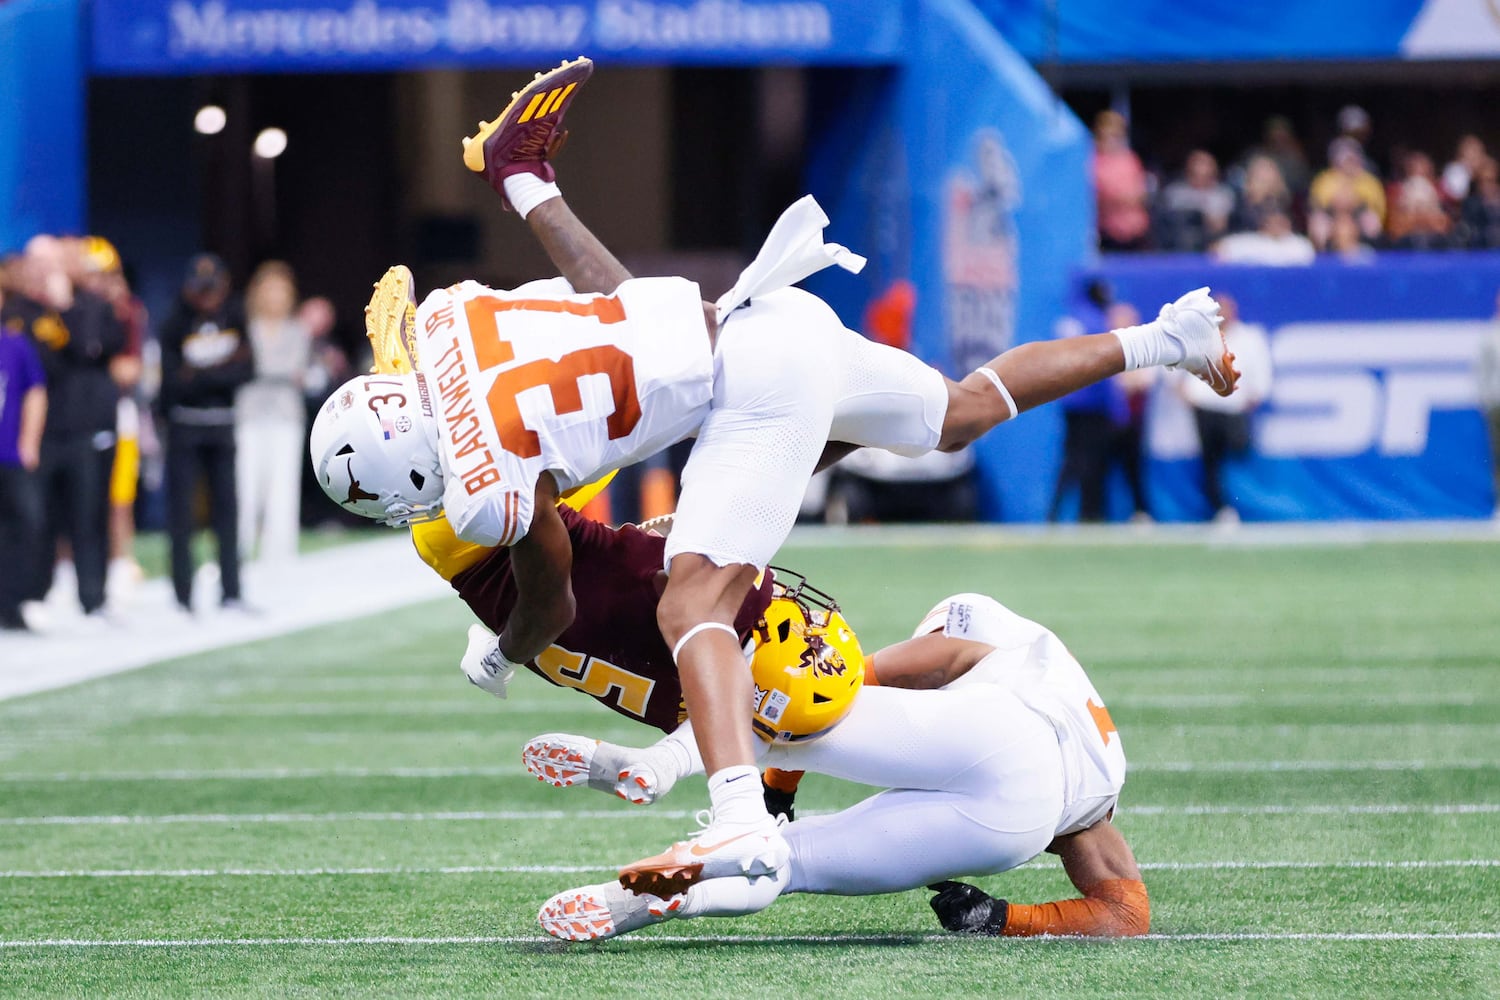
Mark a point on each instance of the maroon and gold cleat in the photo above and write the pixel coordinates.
(529, 131)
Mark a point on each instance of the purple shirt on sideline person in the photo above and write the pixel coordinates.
(20, 370)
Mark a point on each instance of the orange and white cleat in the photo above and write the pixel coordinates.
(638, 775)
(391, 322)
(524, 136)
(597, 912)
(720, 850)
(1193, 321)
(562, 760)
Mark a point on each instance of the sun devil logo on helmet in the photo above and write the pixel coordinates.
(823, 659)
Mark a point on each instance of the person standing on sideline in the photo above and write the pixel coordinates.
(270, 422)
(205, 358)
(23, 411)
(77, 338)
(1224, 421)
(1489, 394)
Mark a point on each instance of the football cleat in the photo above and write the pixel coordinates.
(524, 136)
(720, 850)
(1193, 321)
(597, 912)
(564, 760)
(559, 759)
(391, 322)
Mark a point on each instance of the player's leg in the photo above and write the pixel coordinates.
(741, 490)
(1185, 334)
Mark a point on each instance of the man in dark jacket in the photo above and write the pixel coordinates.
(205, 357)
(76, 335)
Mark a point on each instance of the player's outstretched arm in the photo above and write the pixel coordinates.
(1100, 864)
(542, 562)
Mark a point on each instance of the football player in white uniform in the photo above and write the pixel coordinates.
(1013, 754)
(518, 396)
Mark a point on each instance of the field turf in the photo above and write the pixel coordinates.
(1313, 731)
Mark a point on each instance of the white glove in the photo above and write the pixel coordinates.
(484, 664)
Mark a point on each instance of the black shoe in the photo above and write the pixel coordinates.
(11, 621)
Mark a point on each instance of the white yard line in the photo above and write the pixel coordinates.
(1167, 866)
(336, 584)
(537, 815)
(770, 939)
(513, 770)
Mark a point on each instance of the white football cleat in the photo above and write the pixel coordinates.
(564, 760)
(1193, 322)
(597, 912)
(720, 850)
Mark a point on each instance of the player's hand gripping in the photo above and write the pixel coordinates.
(968, 909)
(484, 664)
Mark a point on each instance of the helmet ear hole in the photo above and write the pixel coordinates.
(347, 449)
(417, 479)
(784, 630)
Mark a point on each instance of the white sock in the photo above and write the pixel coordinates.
(1148, 345)
(731, 897)
(527, 191)
(735, 794)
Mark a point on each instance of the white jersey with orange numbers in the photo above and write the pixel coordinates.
(539, 379)
(1033, 663)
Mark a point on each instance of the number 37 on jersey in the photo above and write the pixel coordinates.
(542, 380)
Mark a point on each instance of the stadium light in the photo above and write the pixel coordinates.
(270, 144)
(210, 120)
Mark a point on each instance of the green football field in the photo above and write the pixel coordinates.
(1314, 795)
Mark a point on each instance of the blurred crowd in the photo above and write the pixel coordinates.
(1275, 205)
(104, 410)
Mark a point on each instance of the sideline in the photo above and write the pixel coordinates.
(314, 590)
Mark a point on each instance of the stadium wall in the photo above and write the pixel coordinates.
(41, 117)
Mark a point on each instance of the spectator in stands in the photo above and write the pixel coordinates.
(1194, 210)
(270, 420)
(1417, 220)
(328, 366)
(77, 337)
(1121, 186)
(1354, 123)
(1272, 243)
(1090, 417)
(1488, 370)
(1280, 143)
(1262, 190)
(1479, 217)
(205, 358)
(1346, 242)
(1346, 187)
(1459, 173)
(1127, 446)
(1224, 428)
(23, 412)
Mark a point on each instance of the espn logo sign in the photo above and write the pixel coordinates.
(1344, 389)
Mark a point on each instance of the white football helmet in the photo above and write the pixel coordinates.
(374, 448)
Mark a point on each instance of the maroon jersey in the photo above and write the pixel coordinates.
(613, 651)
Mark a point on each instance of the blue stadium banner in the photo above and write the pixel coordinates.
(1373, 407)
(41, 120)
(1156, 31)
(199, 36)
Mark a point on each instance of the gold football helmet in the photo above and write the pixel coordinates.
(805, 661)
